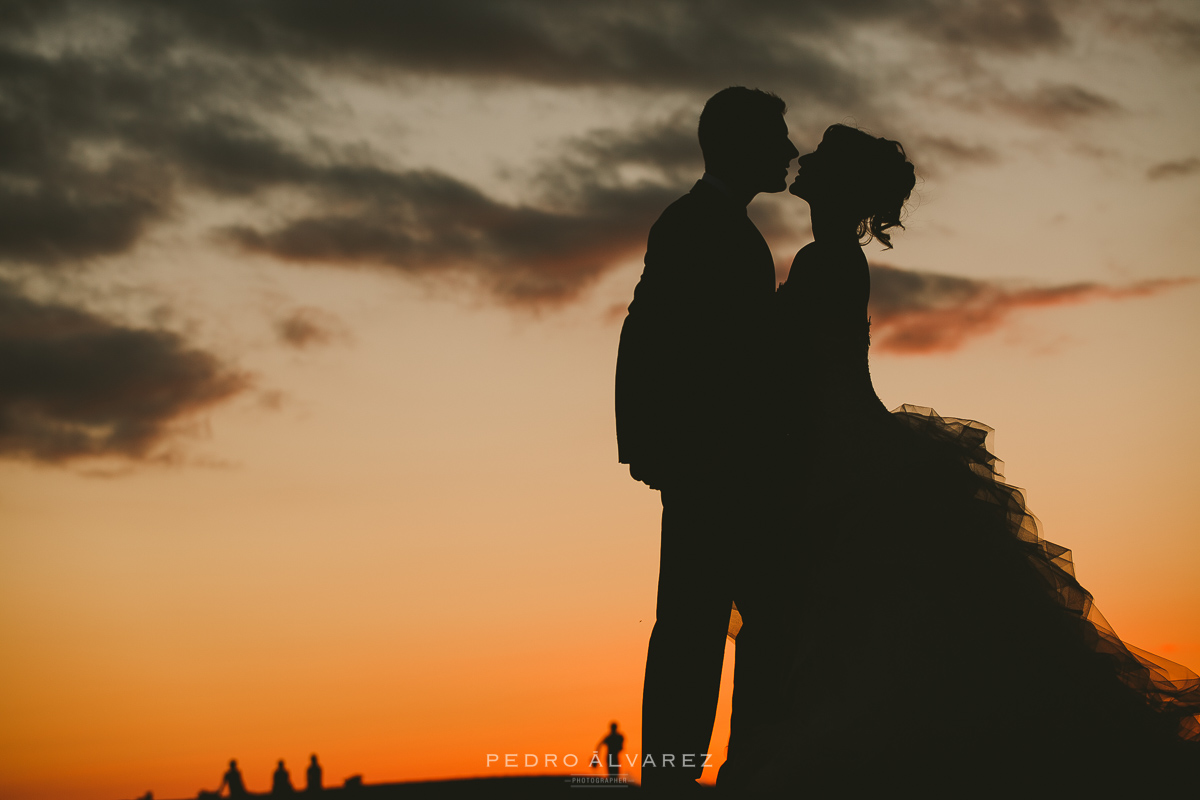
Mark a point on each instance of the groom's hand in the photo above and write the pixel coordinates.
(647, 474)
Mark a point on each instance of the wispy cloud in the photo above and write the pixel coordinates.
(951, 149)
(916, 312)
(1164, 28)
(589, 215)
(1174, 169)
(307, 327)
(1053, 105)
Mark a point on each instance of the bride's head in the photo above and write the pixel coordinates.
(856, 180)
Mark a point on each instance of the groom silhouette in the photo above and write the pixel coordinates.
(692, 417)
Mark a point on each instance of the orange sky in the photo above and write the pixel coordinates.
(375, 511)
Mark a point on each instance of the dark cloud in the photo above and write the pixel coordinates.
(55, 206)
(667, 44)
(75, 385)
(596, 199)
(308, 327)
(98, 140)
(159, 128)
(232, 156)
(922, 312)
(1014, 26)
(1174, 169)
(91, 147)
(1177, 33)
(670, 151)
(426, 223)
(87, 214)
(670, 45)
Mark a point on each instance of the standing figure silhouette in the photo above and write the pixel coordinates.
(690, 414)
(614, 743)
(313, 775)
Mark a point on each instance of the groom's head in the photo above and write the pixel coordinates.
(745, 140)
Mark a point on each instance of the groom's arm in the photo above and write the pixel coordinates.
(673, 345)
(644, 387)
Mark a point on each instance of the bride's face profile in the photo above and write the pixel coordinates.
(810, 175)
(854, 180)
(823, 174)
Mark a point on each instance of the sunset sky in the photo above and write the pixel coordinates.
(308, 321)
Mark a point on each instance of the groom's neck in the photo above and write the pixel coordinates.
(730, 186)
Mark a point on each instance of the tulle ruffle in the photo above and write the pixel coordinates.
(1170, 689)
(930, 618)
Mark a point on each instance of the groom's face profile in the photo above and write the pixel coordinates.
(769, 154)
(745, 140)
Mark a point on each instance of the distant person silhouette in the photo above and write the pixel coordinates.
(614, 743)
(233, 780)
(313, 774)
(281, 781)
(692, 415)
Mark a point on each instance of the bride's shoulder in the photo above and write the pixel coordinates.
(807, 263)
(808, 254)
(821, 263)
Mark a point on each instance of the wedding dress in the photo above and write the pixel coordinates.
(935, 639)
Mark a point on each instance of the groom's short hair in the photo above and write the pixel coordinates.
(731, 114)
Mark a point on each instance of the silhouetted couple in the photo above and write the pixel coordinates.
(898, 620)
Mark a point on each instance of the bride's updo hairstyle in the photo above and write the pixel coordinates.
(870, 177)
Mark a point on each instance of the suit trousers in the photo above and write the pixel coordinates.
(696, 580)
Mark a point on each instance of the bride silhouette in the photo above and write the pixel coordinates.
(925, 634)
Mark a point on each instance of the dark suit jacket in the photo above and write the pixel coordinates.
(694, 348)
